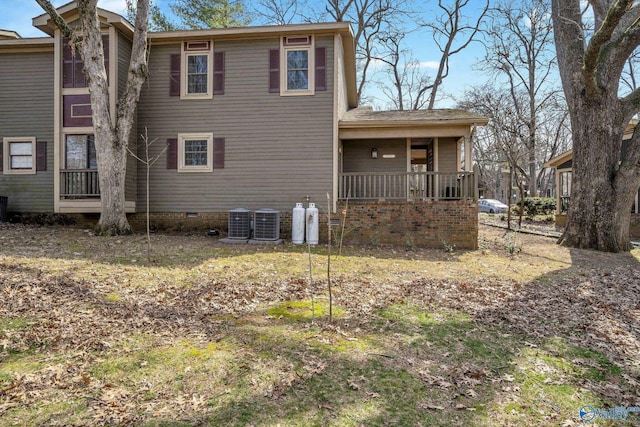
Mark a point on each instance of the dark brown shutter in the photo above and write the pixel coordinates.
(218, 73)
(41, 155)
(274, 70)
(218, 153)
(174, 75)
(1, 151)
(172, 153)
(321, 68)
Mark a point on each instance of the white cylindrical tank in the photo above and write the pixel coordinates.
(297, 225)
(312, 224)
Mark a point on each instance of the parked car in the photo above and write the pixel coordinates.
(491, 206)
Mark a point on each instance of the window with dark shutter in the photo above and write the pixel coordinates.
(321, 68)
(172, 153)
(218, 153)
(274, 70)
(174, 74)
(218, 73)
(41, 156)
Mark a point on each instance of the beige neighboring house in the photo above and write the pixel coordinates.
(253, 117)
(563, 166)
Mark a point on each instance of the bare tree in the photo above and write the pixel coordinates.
(371, 18)
(605, 178)
(452, 33)
(405, 82)
(503, 139)
(519, 48)
(111, 132)
(280, 12)
(411, 86)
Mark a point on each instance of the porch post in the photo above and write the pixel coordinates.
(558, 189)
(407, 181)
(467, 154)
(57, 131)
(436, 168)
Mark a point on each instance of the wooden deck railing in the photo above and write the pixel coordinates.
(408, 186)
(79, 183)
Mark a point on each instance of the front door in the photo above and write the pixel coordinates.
(421, 183)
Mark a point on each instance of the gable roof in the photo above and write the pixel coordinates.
(69, 11)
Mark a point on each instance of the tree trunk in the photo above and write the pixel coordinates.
(601, 195)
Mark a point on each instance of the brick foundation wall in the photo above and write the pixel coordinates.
(421, 224)
(433, 224)
(204, 221)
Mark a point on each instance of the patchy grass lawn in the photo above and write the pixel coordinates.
(520, 332)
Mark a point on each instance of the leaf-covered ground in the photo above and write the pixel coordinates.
(520, 332)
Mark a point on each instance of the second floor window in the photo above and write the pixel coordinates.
(298, 69)
(197, 60)
(197, 74)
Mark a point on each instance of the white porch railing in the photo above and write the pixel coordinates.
(408, 186)
(79, 183)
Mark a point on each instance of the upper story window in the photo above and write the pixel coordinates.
(73, 66)
(19, 155)
(196, 69)
(298, 67)
(297, 63)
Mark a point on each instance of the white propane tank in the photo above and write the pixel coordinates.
(297, 225)
(312, 224)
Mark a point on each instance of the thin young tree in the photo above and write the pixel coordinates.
(593, 49)
(147, 161)
(112, 132)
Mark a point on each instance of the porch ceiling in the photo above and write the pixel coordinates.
(364, 122)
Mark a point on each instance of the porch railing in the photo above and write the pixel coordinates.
(79, 183)
(407, 186)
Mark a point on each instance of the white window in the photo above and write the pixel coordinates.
(19, 155)
(195, 152)
(297, 62)
(197, 70)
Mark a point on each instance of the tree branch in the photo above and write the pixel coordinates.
(65, 29)
(594, 52)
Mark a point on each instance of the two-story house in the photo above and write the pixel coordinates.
(253, 117)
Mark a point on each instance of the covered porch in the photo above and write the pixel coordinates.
(407, 155)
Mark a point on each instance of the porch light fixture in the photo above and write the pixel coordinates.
(374, 153)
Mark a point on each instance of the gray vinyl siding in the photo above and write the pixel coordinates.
(356, 156)
(124, 55)
(447, 155)
(278, 149)
(26, 110)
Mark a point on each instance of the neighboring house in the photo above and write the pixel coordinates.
(563, 166)
(253, 117)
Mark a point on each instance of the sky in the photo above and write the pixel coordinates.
(18, 17)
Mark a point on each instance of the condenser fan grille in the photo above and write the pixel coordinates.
(239, 224)
(266, 225)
